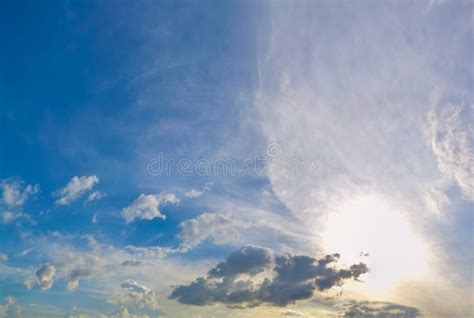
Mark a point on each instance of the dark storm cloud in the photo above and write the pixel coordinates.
(248, 260)
(251, 276)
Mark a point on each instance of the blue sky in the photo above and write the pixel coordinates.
(358, 114)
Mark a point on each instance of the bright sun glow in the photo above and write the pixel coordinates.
(370, 225)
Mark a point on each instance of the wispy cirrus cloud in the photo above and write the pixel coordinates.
(451, 136)
(95, 196)
(219, 228)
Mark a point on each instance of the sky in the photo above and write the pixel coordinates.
(236, 159)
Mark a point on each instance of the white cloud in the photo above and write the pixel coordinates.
(194, 193)
(451, 136)
(361, 114)
(75, 188)
(220, 228)
(25, 252)
(94, 196)
(45, 276)
(147, 207)
(152, 251)
(76, 266)
(436, 199)
(136, 297)
(29, 283)
(15, 193)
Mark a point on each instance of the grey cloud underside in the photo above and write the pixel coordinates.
(45, 276)
(252, 276)
(131, 263)
(374, 309)
(78, 274)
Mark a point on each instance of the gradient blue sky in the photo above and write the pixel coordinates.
(378, 95)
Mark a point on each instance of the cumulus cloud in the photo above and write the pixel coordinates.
(137, 298)
(15, 193)
(252, 276)
(374, 309)
(451, 137)
(147, 207)
(10, 309)
(70, 264)
(45, 276)
(220, 228)
(75, 188)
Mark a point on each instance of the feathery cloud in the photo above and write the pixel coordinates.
(452, 142)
